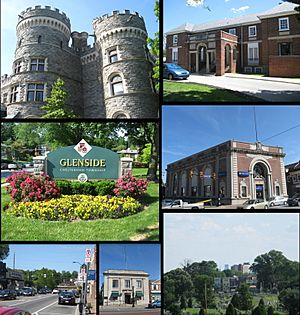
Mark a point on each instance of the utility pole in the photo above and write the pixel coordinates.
(256, 137)
(133, 299)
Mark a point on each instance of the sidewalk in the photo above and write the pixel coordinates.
(257, 77)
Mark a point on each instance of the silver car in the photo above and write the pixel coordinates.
(278, 201)
(254, 204)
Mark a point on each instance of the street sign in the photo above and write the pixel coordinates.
(88, 255)
(91, 275)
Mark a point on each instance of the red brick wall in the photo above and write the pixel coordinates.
(183, 53)
(284, 66)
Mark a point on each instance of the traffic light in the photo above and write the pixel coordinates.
(201, 174)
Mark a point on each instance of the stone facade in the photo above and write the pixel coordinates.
(120, 286)
(234, 171)
(112, 79)
(267, 42)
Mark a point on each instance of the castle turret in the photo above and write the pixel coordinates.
(42, 55)
(126, 69)
(79, 41)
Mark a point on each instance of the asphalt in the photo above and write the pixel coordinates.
(266, 88)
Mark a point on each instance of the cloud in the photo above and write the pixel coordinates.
(227, 0)
(241, 9)
(243, 230)
(194, 3)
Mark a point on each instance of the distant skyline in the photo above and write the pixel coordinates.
(230, 238)
(144, 257)
(81, 14)
(190, 129)
(57, 257)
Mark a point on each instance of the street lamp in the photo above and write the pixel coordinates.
(81, 301)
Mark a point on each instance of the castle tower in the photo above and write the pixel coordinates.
(126, 69)
(42, 55)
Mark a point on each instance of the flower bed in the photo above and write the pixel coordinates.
(70, 208)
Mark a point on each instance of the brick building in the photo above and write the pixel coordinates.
(293, 178)
(233, 170)
(266, 42)
(111, 79)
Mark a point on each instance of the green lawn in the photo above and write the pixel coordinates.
(192, 92)
(141, 226)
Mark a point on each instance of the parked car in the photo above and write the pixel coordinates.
(166, 202)
(254, 204)
(277, 201)
(15, 166)
(42, 291)
(294, 200)
(180, 204)
(155, 304)
(8, 294)
(55, 291)
(66, 297)
(4, 166)
(28, 291)
(5, 310)
(172, 71)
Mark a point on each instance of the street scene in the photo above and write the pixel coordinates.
(231, 157)
(130, 279)
(231, 263)
(48, 279)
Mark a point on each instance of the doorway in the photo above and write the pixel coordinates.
(127, 298)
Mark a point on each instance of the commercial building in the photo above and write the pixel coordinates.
(155, 290)
(293, 178)
(266, 42)
(111, 79)
(233, 171)
(123, 287)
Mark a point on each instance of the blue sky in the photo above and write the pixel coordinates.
(191, 129)
(144, 257)
(57, 257)
(81, 14)
(230, 238)
(176, 12)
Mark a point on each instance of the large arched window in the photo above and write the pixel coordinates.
(116, 83)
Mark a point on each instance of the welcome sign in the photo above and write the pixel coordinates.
(83, 162)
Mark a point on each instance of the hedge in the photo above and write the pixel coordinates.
(75, 207)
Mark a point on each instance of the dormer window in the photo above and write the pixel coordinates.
(175, 39)
(284, 24)
(252, 31)
(232, 31)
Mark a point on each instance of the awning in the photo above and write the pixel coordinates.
(139, 293)
(114, 294)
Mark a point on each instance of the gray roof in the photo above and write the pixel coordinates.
(227, 22)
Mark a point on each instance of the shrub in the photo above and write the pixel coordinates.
(130, 186)
(103, 187)
(77, 207)
(136, 164)
(28, 187)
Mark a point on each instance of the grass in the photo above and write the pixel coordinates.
(139, 172)
(141, 226)
(3, 179)
(193, 92)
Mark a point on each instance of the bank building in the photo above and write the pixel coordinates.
(234, 171)
(110, 79)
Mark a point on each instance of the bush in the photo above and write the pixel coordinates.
(103, 187)
(136, 164)
(130, 186)
(27, 187)
(74, 207)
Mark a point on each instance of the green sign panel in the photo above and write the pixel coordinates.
(83, 162)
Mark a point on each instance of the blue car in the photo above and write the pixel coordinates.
(155, 304)
(172, 71)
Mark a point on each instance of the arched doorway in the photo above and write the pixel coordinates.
(227, 58)
(261, 181)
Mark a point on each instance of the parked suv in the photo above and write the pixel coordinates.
(294, 200)
(8, 294)
(66, 297)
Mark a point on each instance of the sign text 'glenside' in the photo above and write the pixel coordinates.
(83, 163)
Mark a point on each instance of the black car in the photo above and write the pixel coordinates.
(294, 200)
(66, 297)
(42, 291)
(8, 294)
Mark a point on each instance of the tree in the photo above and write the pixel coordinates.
(270, 310)
(175, 309)
(230, 310)
(4, 251)
(190, 303)
(245, 298)
(56, 103)
(235, 301)
(183, 302)
(290, 300)
(201, 312)
(204, 290)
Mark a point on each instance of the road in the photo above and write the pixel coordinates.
(6, 173)
(267, 88)
(41, 305)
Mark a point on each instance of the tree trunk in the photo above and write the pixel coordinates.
(152, 170)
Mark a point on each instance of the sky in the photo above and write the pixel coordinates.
(228, 238)
(144, 257)
(176, 12)
(190, 129)
(57, 257)
(81, 14)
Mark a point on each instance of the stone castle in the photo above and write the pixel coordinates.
(112, 79)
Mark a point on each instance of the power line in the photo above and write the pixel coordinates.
(280, 133)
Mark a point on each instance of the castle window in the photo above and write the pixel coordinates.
(116, 85)
(20, 42)
(4, 98)
(14, 94)
(35, 92)
(285, 49)
(252, 31)
(284, 24)
(17, 66)
(113, 56)
(40, 39)
(61, 44)
(120, 115)
(37, 64)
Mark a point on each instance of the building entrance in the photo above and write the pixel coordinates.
(127, 298)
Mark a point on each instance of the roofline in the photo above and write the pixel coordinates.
(284, 13)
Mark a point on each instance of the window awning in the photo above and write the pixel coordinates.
(114, 294)
(139, 293)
